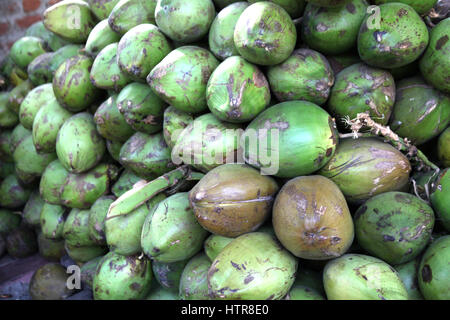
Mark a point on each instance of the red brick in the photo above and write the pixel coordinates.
(30, 5)
(4, 27)
(13, 8)
(27, 21)
(3, 49)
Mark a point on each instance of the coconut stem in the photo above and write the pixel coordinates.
(416, 192)
(363, 120)
(356, 135)
(297, 21)
(429, 22)
(143, 190)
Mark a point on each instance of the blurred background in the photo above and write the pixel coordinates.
(16, 16)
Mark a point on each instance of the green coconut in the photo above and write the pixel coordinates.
(361, 88)
(168, 79)
(364, 278)
(440, 199)
(100, 36)
(79, 146)
(171, 232)
(84, 253)
(52, 180)
(39, 71)
(102, 8)
(141, 49)
(13, 194)
(72, 86)
(113, 148)
(399, 39)
(148, 156)
(141, 108)
(17, 76)
(253, 266)
(8, 118)
(26, 49)
(32, 211)
(434, 64)
(46, 124)
(110, 122)
(97, 216)
(175, 121)
(120, 277)
(214, 244)
(9, 221)
(394, 226)
(18, 94)
(52, 220)
(88, 270)
(51, 40)
(72, 20)
(333, 30)
(305, 75)
(194, 279)
(408, 273)
(444, 148)
(125, 182)
(221, 32)
(307, 286)
(83, 189)
(168, 275)
(18, 134)
(62, 54)
(76, 229)
(127, 14)
(433, 271)
(207, 142)
(34, 100)
(123, 231)
(265, 34)
(106, 73)
(420, 112)
(237, 91)
(290, 130)
(175, 19)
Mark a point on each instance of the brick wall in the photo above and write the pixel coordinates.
(16, 16)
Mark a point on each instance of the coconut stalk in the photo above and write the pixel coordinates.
(143, 190)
